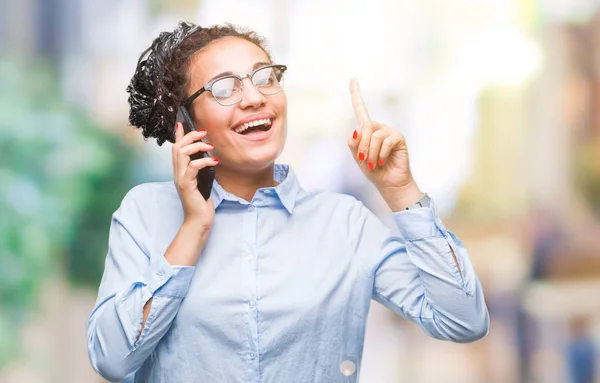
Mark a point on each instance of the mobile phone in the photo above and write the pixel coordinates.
(206, 175)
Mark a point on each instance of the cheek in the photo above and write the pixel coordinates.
(281, 102)
(215, 119)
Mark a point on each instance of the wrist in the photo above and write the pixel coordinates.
(398, 198)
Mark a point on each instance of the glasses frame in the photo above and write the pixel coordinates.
(208, 87)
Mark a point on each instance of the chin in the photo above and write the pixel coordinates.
(257, 155)
(267, 153)
(263, 159)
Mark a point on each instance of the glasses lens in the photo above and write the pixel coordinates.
(268, 80)
(227, 91)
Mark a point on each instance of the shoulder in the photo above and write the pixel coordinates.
(142, 199)
(146, 193)
(346, 209)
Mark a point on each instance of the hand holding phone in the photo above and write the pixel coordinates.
(192, 178)
(205, 175)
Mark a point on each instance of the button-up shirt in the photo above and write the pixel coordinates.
(281, 290)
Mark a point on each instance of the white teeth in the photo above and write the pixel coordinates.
(242, 128)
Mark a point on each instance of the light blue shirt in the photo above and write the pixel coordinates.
(280, 292)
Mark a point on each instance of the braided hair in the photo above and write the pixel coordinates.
(159, 84)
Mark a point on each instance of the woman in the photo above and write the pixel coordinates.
(263, 282)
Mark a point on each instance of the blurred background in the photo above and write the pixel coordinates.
(499, 101)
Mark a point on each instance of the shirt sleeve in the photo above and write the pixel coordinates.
(133, 274)
(416, 277)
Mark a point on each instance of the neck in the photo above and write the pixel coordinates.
(244, 184)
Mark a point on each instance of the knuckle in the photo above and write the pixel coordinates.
(199, 163)
(380, 135)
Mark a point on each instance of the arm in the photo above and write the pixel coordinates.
(140, 292)
(399, 200)
(424, 275)
(182, 252)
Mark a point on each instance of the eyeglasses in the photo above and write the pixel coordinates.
(229, 90)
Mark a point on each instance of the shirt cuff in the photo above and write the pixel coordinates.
(419, 223)
(163, 279)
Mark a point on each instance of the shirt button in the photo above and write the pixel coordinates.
(252, 304)
(251, 208)
(347, 368)
(268, 191)
(252, 355)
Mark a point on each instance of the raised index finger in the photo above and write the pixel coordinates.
(360, 109)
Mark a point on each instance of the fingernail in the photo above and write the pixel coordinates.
(380, 162)
(177, 125)
(209, 144)
(355, 135)
(201, 130)
(361, 156)
(371, 165)
(216, 159)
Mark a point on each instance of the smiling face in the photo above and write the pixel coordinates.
(236, 145)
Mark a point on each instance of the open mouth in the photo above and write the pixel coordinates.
(257, 126)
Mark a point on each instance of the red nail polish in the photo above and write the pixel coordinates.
(371, 165)
(201, 130)
(177, 125)
(209, 144)
(361, 156)
(216, 159)
(355, 135)
(380, 162)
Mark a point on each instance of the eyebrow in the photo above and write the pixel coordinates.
(229, 73)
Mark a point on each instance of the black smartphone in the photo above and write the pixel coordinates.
(206, 175)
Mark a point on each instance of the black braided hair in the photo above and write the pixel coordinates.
(160, 81)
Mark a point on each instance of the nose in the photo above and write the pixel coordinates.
(251, 96)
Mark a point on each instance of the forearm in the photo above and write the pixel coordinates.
(187, 245)
(127, 325)
(455, 261)
(147, 308)
(114, 353)
(399, 198)
(427, 276)
(183, 251)
(454, 306)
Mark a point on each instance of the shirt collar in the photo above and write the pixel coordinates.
(288, 191)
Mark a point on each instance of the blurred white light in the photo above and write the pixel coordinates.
(499, 55)
(561, 11)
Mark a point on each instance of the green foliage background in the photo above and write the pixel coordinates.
(61, 178)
